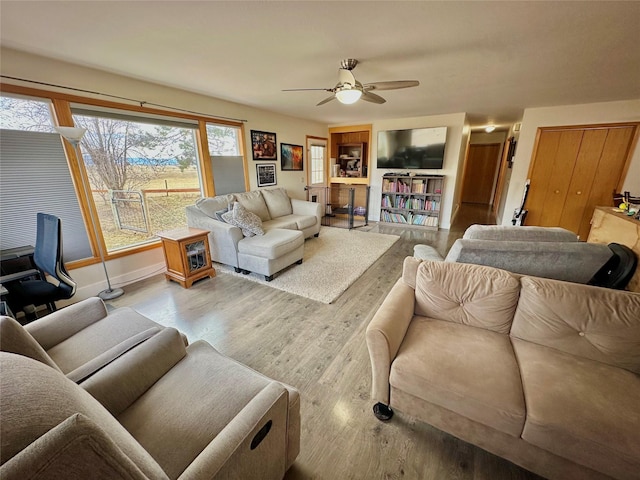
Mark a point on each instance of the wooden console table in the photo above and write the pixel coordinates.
(186, 252)
(611, 226)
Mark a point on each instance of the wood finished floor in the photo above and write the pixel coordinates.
(320, 349)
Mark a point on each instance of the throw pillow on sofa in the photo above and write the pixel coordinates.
(219, 214)
(254, 202)
(239, 216)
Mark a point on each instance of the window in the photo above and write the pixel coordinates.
(143, 172)
(19, 113)
(36, 178)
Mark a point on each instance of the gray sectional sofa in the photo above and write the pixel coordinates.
(280, 217)
(548, 252)
(541, 372)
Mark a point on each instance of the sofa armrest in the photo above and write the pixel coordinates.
(384, 336)
(76, 448)
(223, 237)
(56, 327)
(303, 207)
(120, 383)
(241, 450)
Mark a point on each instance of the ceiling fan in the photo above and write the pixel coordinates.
(349, 90)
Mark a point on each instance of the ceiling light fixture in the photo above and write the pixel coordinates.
(490, 128)
(348, 94)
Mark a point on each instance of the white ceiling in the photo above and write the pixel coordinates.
(489, 59)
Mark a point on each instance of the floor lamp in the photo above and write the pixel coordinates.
(73, 135)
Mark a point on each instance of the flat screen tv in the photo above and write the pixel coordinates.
(412, 149)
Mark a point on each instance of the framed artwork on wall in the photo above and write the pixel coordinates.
(266, 174)
(263, 145)
(291, 157)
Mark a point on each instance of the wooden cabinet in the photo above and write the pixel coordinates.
(352, 160)
(352, 144)
(609, 225)
(575, 169)
(187, 255)
(412, 200)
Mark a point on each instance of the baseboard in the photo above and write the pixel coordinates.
(92, 289)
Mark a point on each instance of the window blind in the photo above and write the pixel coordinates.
(228, 174)
(35, 177)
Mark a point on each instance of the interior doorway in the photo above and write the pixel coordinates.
(317, 169)
(480, 175)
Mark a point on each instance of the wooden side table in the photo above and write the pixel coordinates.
(187, 255)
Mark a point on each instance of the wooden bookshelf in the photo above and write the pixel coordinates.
(412, 200)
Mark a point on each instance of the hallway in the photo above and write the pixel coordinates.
(469, 214)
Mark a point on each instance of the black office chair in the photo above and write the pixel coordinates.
(31, 287)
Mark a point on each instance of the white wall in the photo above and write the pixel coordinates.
(454, 146)
(587, 114)
(288, 130)
(482, 138)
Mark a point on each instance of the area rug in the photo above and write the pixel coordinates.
(331, 263)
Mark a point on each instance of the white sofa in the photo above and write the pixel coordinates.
(266, 254)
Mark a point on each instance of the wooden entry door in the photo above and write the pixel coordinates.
(480, 173)
(573, 171)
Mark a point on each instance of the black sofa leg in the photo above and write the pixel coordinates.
(382, 412)
(299, 262)
(237, 269)
(317, 235)
(268, 278)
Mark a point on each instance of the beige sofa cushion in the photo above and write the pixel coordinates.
(278, 202)
(36, 398)
(15, 339)
(254, 202)
(210, 205)
(583, 410)
(468, 370)
(468, 294)
(99, 337)
(591, 322)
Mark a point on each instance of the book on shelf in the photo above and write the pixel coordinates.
(418, 186)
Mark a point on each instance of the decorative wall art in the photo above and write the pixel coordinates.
(263, 145)
(266, 174)
(291, 157)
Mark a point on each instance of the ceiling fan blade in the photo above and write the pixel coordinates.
(345, 76)
(394, 85)
(326, 100)
(372, 97)
(307, 89)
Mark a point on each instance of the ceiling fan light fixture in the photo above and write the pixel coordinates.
(348, 95)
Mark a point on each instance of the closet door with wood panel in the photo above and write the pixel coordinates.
(573, 171)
